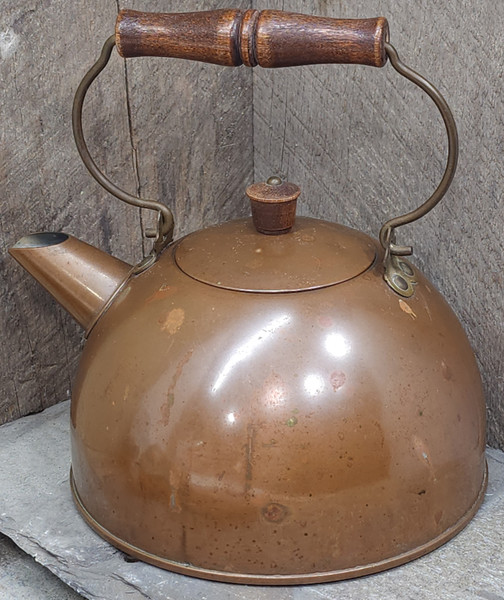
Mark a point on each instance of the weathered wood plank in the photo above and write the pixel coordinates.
(365, 145)
(44, 186)
(192, 131)
(45, 50)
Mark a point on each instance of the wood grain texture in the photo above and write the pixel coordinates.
(273, 206)
(44, 187)
(286, 39)
(208, 36)
(182, 136)
(366, 145)
(269, 38)
(191, 128)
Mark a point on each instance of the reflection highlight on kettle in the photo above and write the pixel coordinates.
(337, 345)
(231, 418)
(314, 384)
(247, 348)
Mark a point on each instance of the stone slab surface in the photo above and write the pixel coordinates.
(37, 512)
(22, 578)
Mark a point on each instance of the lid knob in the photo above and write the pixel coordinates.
(273, 205)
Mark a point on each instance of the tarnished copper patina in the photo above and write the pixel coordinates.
(273, 400)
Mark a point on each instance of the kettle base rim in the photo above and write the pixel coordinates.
(283, 579)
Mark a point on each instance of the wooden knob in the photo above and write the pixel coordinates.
(273, 205)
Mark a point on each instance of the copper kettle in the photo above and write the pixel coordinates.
(272, 400)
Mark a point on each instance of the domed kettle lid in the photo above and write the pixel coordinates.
(275, 251)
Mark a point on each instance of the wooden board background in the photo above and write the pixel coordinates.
(362, 142)
(366, 145)
(172, 130)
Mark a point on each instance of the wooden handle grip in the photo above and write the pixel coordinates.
(270, 38)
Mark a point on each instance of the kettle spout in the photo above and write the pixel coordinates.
(80, 277)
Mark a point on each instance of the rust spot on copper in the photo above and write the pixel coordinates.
(305, 238)
(184, 543)
(427, 310)
(447, 372)
(162, 292)
(180, 367)
(174, 506)
(291, 422)
(249, 453)
(337, 380)
(407, 309)
(125, 395)
(182, 364)
(274, 391)
(166, 408)
(173, 321)
(325, 321)
(271, 444)
(255, 263)
(275, 513)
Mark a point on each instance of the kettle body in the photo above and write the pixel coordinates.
(286, 437)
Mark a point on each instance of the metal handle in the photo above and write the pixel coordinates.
(393, 273)
(399, 274)
(451, 164)
(164, 233)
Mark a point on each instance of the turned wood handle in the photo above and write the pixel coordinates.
(269, 38)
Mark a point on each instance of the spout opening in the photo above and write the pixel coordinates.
(41, 240)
